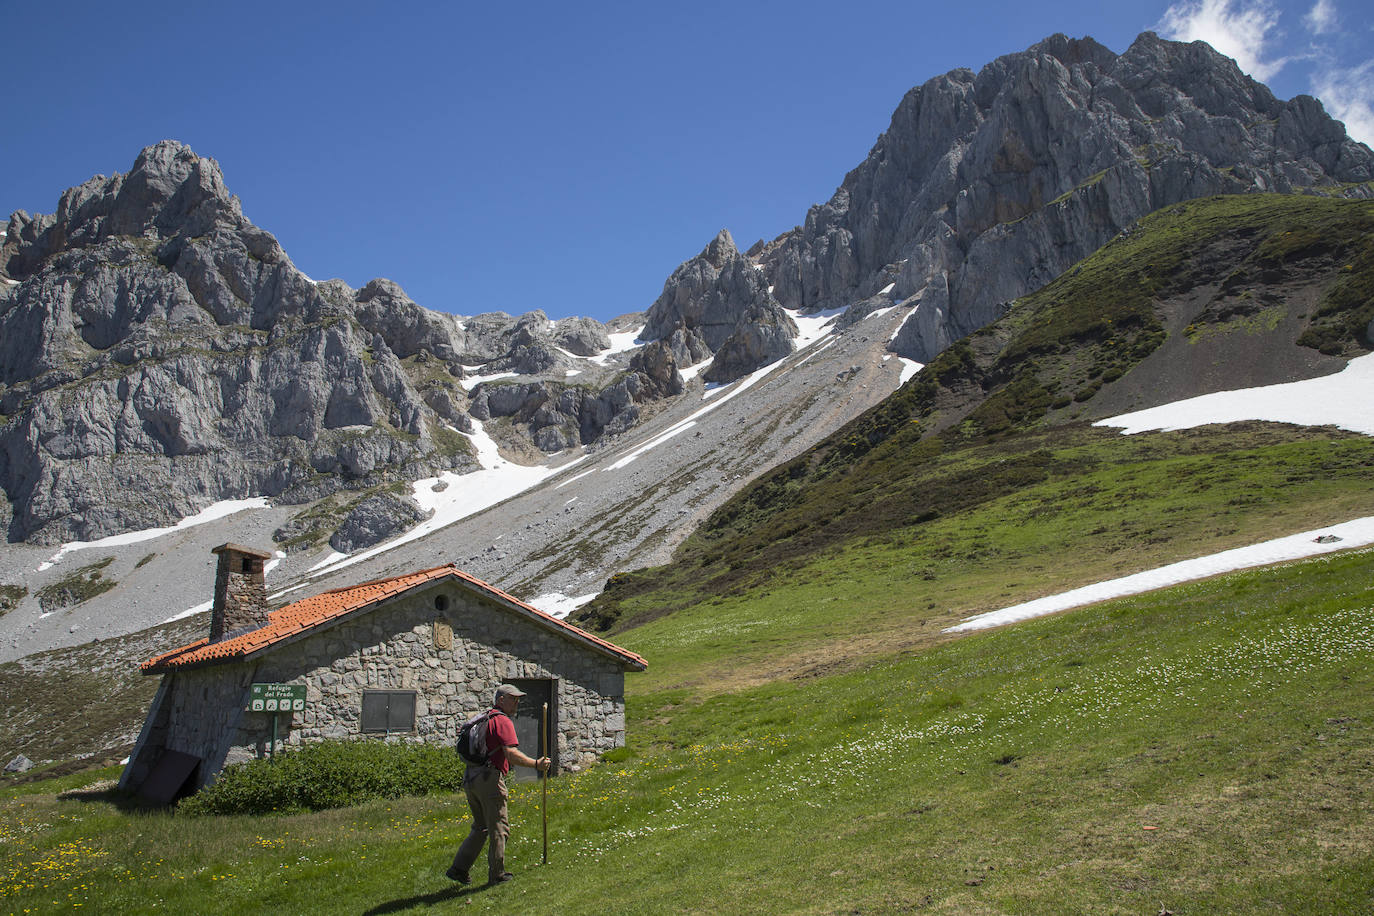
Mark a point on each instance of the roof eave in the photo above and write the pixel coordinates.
(627, 660)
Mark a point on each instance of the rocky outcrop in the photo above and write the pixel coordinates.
(556, 416)
(762, 336)
(408, 330)
(987, 186)
(374, 519)
(719, 302)
(527, 347)
(532, 344)
(581, 336)
(655, 372)
(687, 347)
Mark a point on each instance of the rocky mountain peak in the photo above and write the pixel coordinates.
(387, 290)
(1072, 51)
(169, 191)
(158, 352)
(721, 250)
(986, 186)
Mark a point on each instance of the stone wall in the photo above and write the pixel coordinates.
(453, 658)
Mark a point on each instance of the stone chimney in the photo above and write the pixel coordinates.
(240, 591)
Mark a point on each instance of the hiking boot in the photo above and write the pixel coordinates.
(453, 874)
(502, 879)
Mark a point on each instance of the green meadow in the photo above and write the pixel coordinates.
(896, 555)
(808, 739)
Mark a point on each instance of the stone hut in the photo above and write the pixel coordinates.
(405, 659)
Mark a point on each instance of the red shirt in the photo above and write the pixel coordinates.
(500, 735)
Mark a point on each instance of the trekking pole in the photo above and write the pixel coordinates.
(544, 808)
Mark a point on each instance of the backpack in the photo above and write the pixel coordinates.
(472, 740)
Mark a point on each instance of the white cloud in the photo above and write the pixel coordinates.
(1321, 19)
(1348, 96)
(1241, 31)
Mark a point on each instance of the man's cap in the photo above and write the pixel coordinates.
(509, 690)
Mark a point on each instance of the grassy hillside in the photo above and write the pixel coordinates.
(1208, 748)
(918, 542)
(1226, 282)
(74, 708)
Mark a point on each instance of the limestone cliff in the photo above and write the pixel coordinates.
(988, 185)
(160, 352)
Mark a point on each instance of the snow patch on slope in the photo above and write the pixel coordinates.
(620, 343)
(1344, 399)
(1357, 533)
(212, 513)
(811, 328)
(557, 604)
(452, 497)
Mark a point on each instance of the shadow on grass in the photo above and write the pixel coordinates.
(406, 903)
(115, 797)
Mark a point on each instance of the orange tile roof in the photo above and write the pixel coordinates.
(310, 613)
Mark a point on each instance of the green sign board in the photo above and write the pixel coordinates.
(277, 698)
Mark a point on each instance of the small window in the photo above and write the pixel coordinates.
(441, 602)
(388, 711)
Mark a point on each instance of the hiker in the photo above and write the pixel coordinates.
(485, 787)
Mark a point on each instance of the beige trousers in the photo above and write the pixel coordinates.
(485, 788)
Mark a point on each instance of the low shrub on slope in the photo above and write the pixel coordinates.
(329, 775)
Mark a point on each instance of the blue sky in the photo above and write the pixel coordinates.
(557, 156)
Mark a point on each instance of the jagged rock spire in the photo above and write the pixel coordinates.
(722, 301)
